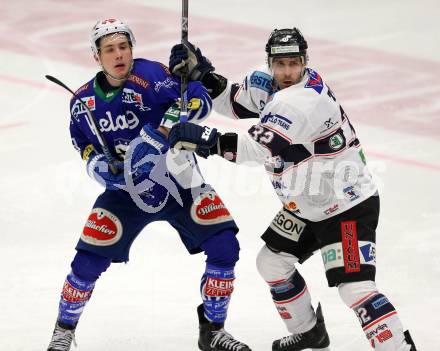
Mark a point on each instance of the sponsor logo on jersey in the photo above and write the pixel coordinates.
(129, 96)
(328, 124)
(209, 209)
(287, 225)
(382, 301)
(368, 252)
(121, 122)
(278, 120)
(381, 333)
(332, 255)
(283, 312)
(315, 81)
(153, 142)
(167, 83)
(219, 287)
(336, 142)
(262, 81)
(83, 88)
(87, 151)
(331, 210)
(139, 81)
(279, 288)
(350, 247)
(79, 108)
(72, 294)
(350, 193)
(194, 104)
(291, 206)
(102, 228)
(384, 336)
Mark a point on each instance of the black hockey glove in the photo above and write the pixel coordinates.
(199, 139)
(188, 59)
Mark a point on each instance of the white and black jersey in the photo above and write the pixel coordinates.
(305, 140)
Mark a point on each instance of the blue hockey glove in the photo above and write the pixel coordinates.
(192, 137)
(149, 177)
(98, 169)
(150, 143)
(188, 59)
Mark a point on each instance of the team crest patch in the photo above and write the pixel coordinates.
(209, 209)
(315, 81)
(102, 228)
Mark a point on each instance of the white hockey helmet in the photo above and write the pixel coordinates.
(109, 26)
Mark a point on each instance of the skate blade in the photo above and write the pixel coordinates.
(324, 349)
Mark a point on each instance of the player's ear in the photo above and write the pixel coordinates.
(96, 58)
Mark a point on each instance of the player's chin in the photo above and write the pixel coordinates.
(286, 84)
(120, 71)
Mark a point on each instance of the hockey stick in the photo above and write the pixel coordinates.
(93, 123)
(184, 76)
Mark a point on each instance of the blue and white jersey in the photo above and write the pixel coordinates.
(306, 142)
(148, 92)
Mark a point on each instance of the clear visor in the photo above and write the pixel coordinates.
(304, 59)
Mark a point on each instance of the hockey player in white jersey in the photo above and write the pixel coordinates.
(315, 161)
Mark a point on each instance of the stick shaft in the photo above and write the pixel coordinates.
(184, 77)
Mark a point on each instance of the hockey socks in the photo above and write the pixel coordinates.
(293, 302)
(381, 323)
(216, 287)
(77, 289)
(75, 294)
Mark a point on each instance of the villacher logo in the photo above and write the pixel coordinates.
(209, 209)
(102, 228)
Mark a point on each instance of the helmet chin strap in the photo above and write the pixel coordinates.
(108, 75)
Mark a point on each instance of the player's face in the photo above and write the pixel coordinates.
(287, 70)
(115, 55)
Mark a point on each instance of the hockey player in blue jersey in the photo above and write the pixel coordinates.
(134, 103)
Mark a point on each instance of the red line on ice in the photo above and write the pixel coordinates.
(12, 125)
